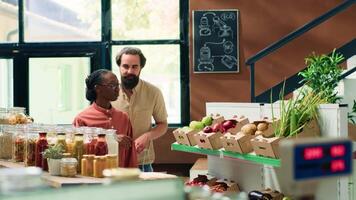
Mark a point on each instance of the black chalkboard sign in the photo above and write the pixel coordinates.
(215, 41)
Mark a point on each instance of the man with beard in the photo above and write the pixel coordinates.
(142, 101)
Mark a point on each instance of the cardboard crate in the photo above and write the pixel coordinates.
(217, 118)
(241, 121)
(208, 140)
(240, 143)
(185, 137)
(352, 131)
(268, 147)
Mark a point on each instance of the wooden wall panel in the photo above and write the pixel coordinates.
(261, 23)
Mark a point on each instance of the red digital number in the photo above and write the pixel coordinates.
(337, 150)
(337, 165)
(313, 153)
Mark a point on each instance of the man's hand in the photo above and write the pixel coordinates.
(124, 141)
(142, 142)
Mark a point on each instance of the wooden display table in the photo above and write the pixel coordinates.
(59, 181)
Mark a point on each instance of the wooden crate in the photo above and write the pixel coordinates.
(240, 143)
(208, 140)
(185, 137)
(240, 122)
(268, 147)
(217, 118)
(352, 131)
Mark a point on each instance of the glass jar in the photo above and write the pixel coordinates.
(18, 147)
(78, 148)
(87, 165)
(30, 147)
(101, 147)
(69, 167)
(51, 130)
(87, 133)
(111, 161)
(70, 140)
(61, 140)
(113, 145)
(99, 166)
(6, 142)
(16, 115)
(41, 146)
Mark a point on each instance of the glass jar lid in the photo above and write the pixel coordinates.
(69, 160)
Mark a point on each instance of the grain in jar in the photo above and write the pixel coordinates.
(69, 167)
(6, 142)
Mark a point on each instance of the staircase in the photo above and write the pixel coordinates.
(348, 50)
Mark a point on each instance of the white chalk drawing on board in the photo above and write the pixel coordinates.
(206, 59)
(219, 26)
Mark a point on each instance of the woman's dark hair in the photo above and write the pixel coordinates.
(91, 81)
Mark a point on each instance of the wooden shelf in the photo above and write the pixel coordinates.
(248, 157)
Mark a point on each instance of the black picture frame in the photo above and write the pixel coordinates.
(215, 41)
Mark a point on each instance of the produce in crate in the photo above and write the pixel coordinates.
(249, 129)
(185, 135)
(196, 125)
(201, 180)
(240, 142)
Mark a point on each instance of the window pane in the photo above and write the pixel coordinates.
(57, 88)
(58, 20)
(145, 19)
(8, 21)
(6, 83)
(163, 70)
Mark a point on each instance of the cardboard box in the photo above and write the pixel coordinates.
(185, 137)
(240, 143)
(240, 121)
(208, 140)
(268, 147)
(352, 131)
(217, 118)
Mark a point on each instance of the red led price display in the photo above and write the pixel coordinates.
(337, 150)
(313, 153)
(337, 166)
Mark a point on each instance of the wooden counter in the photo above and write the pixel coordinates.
(58, 181)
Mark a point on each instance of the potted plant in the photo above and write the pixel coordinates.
(323, 74)
(54, 154)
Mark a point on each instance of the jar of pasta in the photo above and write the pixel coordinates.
(16, 115)
(69, 167)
